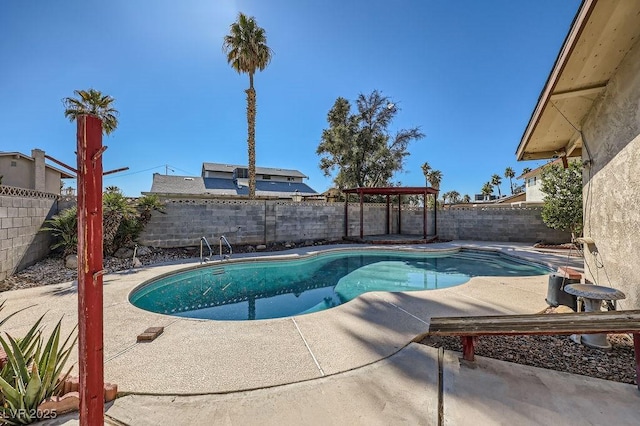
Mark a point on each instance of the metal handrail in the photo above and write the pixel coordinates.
(223, 238)
(204, 259)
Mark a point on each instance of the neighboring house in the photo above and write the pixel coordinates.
(21, 171)
(590, 107)
(226, 180)
(533, 182)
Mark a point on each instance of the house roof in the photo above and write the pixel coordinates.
(188, 185)
(229, 168)
(63, 174)
(392, 190)
(538, 170)
(602, 33)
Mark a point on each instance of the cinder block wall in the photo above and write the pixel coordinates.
(267, 221)
(21, 241)
(497, 224)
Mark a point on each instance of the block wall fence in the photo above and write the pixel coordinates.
(22, 214)
(185, 221)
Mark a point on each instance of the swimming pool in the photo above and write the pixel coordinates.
(249, 290)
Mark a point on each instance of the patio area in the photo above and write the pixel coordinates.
(354, 364)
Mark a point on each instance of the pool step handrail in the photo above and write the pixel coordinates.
(223, 257)
(202, 258)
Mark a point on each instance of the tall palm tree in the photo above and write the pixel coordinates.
(454, 196)
(92, 102)
(247, 51)
(426, 168)
(487, 190)
(526, 170)
(496, 180)
(510, 174)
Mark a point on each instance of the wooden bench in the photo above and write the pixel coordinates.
(470, 328)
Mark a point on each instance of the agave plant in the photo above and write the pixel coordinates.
(64, 228)
(32, 374)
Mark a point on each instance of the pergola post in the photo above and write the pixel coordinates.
(424, 216)
(346, 215)
(399, 214)
(387, 227)
(90, 315)
(361, 215)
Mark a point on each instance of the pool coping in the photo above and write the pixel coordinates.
(197, 356)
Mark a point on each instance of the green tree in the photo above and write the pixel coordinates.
(359, 145)
(510, 174)
(92, 102)
(454, 196)
(496, 180)
(562, 207)
(487, 190)
(466, 198)
(247, 52)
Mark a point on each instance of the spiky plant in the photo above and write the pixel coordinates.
(92, 102)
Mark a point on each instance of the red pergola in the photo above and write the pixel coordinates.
(388, 191)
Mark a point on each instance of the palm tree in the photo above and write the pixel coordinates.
(510, 174)
(426, 168)
(487, 190)
(466, 198)
(92, 102)
(526, 170)
(247, 51)
(445, 197)
(435, 177)
(496, 180)
(454, 196)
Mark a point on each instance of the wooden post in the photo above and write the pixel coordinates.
(361, 215)
(90, 316)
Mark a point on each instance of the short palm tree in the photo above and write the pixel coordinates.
(92, 102)
(247, 51)
(510, 174)
(496, 180)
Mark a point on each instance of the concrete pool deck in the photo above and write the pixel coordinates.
(198, 357)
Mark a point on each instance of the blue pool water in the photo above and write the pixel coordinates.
(281, 288)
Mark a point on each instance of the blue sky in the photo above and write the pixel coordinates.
(467, 72)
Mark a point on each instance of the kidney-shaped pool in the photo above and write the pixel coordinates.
(250, 290)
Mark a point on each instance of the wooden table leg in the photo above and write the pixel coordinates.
(467, 348)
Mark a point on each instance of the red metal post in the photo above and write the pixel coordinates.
(361, 215)
(90, 342)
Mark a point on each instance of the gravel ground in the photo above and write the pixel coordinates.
(553, 352)
(558, 353)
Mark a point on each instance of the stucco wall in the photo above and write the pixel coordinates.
(611, 192)
(21, 242)
(267, 221)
